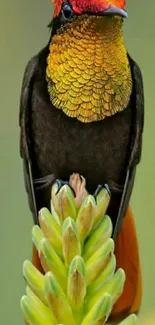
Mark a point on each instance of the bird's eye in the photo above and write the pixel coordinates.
(67, 11)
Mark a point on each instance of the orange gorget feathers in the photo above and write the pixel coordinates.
(88, 73)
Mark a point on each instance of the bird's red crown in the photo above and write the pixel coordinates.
(94, 6)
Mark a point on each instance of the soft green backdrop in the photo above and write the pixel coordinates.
(22, 33)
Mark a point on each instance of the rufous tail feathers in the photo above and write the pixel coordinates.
(127, 257)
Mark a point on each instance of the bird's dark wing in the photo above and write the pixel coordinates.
(33, 187)
(24, 120)
(136, 142)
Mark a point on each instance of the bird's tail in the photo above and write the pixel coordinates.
(127, 257)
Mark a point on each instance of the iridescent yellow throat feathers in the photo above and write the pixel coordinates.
(88, 73)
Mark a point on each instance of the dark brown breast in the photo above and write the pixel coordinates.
(62, 145)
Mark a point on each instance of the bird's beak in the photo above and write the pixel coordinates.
(112, 10)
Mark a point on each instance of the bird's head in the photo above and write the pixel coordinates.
(69, 8)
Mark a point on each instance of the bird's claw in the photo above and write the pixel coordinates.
(61, 183)
(99, 188)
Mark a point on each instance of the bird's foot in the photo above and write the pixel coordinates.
(60, 183)
(77, 184)
(99, 188)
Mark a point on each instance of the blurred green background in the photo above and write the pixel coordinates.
(23, 32)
